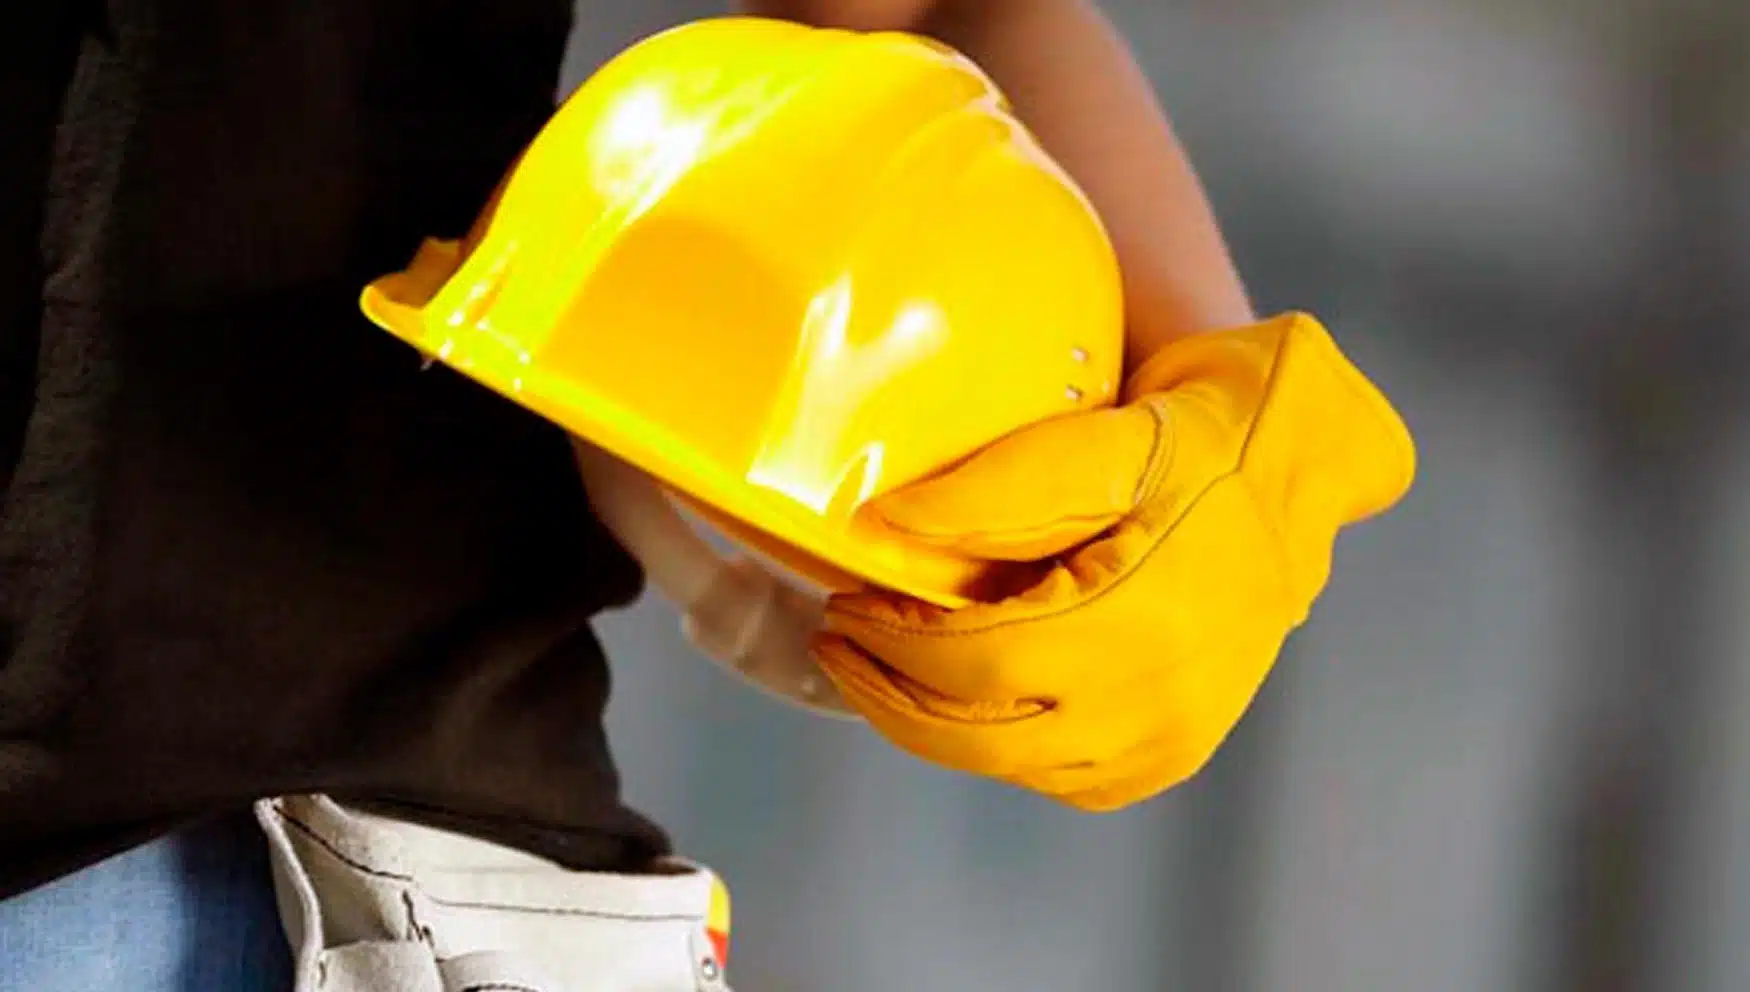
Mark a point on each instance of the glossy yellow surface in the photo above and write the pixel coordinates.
(785, 270)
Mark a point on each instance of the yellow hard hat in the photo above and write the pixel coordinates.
(783, 270)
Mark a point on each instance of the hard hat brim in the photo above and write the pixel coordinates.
(840, 558)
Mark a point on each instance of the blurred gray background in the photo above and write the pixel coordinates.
(1511, 751)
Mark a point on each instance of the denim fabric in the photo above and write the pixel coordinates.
(193, 912)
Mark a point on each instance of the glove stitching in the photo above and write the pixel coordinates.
(1149, 486)
(1272, 526)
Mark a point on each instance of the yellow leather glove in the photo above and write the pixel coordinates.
(1179, 539)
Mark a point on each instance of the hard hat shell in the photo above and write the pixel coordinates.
(784, 270)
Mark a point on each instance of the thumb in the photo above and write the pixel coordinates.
(1035, 493)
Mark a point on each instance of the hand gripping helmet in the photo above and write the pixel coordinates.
(782, 270)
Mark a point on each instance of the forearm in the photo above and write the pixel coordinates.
(1075, 83)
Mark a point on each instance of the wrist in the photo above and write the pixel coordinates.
(1157, 318)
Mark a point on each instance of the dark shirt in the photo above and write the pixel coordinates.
(248, 546)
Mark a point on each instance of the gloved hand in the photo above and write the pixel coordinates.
(1180, 538)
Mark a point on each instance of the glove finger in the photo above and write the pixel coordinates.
(1082, 630)
(1145, 734)
(994, 739)
(1178, 713)
(1036, 493)
(1140, 773)
(1140, 777)
(966, 654)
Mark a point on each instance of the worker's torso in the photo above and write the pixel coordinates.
(247, 546)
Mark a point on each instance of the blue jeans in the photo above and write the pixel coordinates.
(193, 912)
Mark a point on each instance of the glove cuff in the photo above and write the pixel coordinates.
(1318, 445)
(1169, 366)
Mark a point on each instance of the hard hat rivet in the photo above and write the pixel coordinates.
(1074, 394)
(1079, 354)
